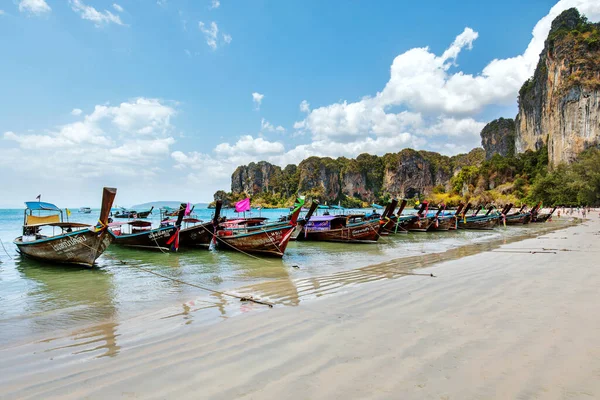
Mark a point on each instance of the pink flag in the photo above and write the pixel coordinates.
(243, 205)
(188, 210)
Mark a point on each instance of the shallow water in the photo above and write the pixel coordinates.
(38, 300)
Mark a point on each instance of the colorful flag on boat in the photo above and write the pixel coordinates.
(243, 205)
(188, 210)
(68, 212)
(299, 203)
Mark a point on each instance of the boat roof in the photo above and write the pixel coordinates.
(63, 224)
(318, 218)
(40, 205)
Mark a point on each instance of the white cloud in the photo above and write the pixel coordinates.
(248, 145)
(227, 38)
(76, 111)
(137, 129)
(117, 7)
(215, 4)
(257, 98)
(266, 126)
(304, 106)
(91, 14)
(34, 7)
(210, 33)
(2, 12)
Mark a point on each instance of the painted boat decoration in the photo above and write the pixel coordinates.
(76, 243)
(140, 234)
(264, 239)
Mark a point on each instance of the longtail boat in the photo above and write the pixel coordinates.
(302, 222)
(199, 233)
(77, 243)
(519, 218)
(482, 222)
(129, 214)
(265, 239)
(543, 217)
(140, 234)
(422, 222)
(397, 223)
(341, 228)
(444, 222)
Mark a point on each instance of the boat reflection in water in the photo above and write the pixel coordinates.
(64, 297)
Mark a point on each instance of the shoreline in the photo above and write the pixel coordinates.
(288, 292)
(271, 354)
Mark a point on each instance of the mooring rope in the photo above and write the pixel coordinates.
(5, 249)
(242, 298)
(233, 247)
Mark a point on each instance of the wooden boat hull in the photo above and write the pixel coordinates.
(360, 233)
(155, 239)
(443, 224)
(419, 224)
(197, 236)
(521, 219)
(542, 218)
(478, 224)
(78, 248)
(270, 241)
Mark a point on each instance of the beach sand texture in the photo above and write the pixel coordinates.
(503, 324)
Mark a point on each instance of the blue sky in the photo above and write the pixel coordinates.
(156, 97)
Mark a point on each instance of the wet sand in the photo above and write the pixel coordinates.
(515, 322)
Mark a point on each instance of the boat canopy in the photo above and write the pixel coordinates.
(322, 207)
(40, 205)
(376, 205)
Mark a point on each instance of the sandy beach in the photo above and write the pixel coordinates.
(520, 321)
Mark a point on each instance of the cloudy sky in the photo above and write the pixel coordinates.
(164, 98)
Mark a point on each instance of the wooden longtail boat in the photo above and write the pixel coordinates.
(198, 233)
(340, 228)
(422, 222)
(129, 214)
(483, 222)
(395, 223)
(543, 217)
(77, 243)
(444, 222)
(265, 239)
(302, 222)
(519, 218)
(141, 235)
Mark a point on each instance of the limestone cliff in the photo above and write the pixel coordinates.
(560, 105)
(365, 179)
(498, 137)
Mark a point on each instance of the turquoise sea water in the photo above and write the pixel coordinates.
(38, 299)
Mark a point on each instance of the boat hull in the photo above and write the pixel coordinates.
(197, 236)
(360, 233)
(270, 241)
(420, 224)
(155, 239)
(77, 248)
(521, 219)
(443, 224)
(478, 224)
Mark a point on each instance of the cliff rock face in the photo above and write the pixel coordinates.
(364, 179)
(498, 137)
(560, 105)
(254, 178)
